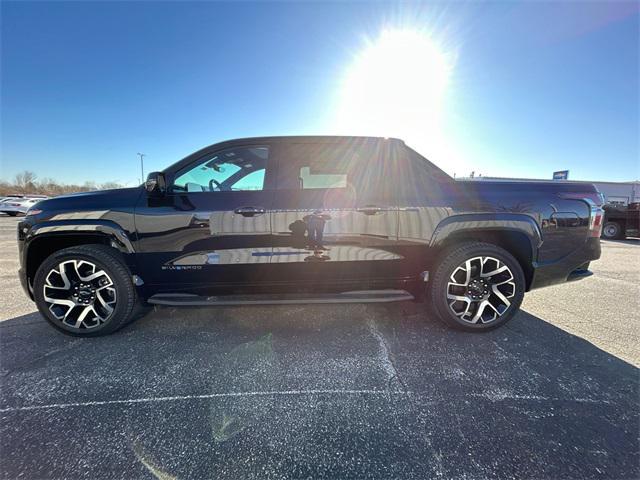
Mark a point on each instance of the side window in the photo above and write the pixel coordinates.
(319, 176)
(234, 169)
(312, 166)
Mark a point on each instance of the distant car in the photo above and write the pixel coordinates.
(15, 206)
(10, 197)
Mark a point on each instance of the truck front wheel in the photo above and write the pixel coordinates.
(85, 290)
(477, 287)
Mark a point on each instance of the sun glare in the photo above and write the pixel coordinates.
(396, 87)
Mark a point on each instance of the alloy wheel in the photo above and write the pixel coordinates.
(79, 294)
(479, 289)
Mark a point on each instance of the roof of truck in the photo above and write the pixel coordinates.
(310, 138)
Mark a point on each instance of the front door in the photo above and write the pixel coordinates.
(212, 228)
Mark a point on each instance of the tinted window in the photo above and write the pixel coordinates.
(234, 169)
(310, 166)
(361, 169)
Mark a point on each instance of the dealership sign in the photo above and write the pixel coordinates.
(561, 175)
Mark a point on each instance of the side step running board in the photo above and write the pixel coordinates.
(364, 296)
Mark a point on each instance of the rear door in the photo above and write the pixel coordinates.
(212, 227)
(424, 200)
(334, 218)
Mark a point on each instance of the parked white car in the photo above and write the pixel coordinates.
(15, 206)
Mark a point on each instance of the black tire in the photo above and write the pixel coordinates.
(457, 256)
(12, 214)
(612, 231)
(106, 259)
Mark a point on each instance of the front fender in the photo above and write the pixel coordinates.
(119, 238)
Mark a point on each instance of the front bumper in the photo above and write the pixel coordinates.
(574, 266)
(23, 229)
(24, 281)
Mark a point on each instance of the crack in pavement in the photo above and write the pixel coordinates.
(385, 358)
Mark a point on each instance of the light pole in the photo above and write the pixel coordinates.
(142, 155)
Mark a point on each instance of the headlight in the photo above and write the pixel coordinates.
(32, 211)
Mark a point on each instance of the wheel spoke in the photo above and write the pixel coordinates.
(498, 270)
(468, 268)
(100, 317)
(63, 275)
(60, 301)
(462, 298)
(105, 304)
(499, 294)
(82, 316)
(504, 282)
(479, 311)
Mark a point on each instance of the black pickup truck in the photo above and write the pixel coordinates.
(621, 221)
(302, 220)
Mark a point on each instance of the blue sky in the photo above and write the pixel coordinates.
(532, 87)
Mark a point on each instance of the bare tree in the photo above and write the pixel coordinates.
(110, 186)
(25, 181)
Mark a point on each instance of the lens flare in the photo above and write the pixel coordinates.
(396, 87)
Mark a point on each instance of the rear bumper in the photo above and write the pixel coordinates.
(574, 266)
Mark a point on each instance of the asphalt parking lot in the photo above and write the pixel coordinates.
(357, 391)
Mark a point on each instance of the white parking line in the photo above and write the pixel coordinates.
(204, 397)
(491, 396)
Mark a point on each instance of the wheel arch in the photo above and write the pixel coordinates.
(518, 234)
(44, 240)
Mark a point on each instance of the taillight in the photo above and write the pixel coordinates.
(595, 220)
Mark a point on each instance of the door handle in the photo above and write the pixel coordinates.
(372, 209)
(249, 211)
(200, 220)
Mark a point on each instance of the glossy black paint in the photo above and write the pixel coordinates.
(393, 220)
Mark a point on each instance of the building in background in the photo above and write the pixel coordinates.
(618, 193)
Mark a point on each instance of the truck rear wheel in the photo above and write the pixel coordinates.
(612, 231)
(477, 287)
(85, 290)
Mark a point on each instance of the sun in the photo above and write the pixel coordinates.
(396, 86)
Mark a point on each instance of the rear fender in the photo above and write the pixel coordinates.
(487, 222)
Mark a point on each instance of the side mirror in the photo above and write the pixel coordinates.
(155, 182)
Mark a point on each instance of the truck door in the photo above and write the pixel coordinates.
(424, 200)
(212, 227)
(334, 219)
